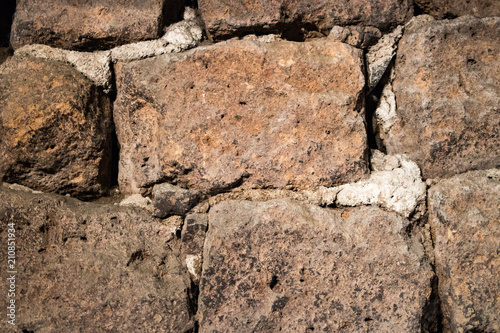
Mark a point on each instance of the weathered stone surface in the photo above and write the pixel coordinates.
(91, 268)
(464, 213)
(91, 24)
(173, 200)
(357, 36)
(380, 55)
(283, 266)
(452, 8)
(278, 114)
(55, 128)
(447, 92)
(228, 18)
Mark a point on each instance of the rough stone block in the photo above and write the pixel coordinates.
(276, 114)
(446, 91)
(55, 128)
(464, 214)
(283, 266)
(452, 8)
(91, 268)
(91, 24)
(229, 18)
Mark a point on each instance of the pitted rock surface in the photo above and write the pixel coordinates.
(55, 128)
(464, 214)
(85, 267)
(91, 24)
(228, 18)
(284, 266)
(261, 115)
(446, 91)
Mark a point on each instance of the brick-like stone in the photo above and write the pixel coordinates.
(229, 18)
(91, 24)
(452, 8)
(464, 214)
(55, 128)
(277, 114)
(446, 91)
(284, 266)
(85, 267)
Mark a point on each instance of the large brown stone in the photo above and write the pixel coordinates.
(452, 8)
(447, 92)
(90, 268)
(55, 128)
(278, 114)
(91, 24)
(283, 266)
(464, 214)
(228, 18)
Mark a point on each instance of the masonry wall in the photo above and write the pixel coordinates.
(257, 166)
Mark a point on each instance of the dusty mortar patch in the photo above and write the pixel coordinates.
(395, 184)
(18, 187)
(94, 65)
(178, 37)
(385, 114)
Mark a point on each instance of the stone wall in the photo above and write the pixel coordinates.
(255, 166)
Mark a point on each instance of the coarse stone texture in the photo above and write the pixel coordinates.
(446, 91)
(228, 18)
(452, 8)
(357, 36)
(55, 128)
(173, 200)
(464, 213)
(137, 200)
(380, 55)
(94, 65)
(284, 266)
(91, 24)
(268, 115)
(395, 184)
(85, 267)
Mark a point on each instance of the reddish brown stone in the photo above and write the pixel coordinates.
(90, 24)
(452, 8)
(464, 213)
(447, 93)
(282, 266)
(228, 18)
(278, 114)
(55, 128)
(85, 267)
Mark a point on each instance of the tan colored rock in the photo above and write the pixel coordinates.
(91, 24)
(452, 8)
(357, 36)
(446, 91)
(55, 128)
(464, 213)
(91, 268)
(277, 114)
(283, 266)
(229, 18)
